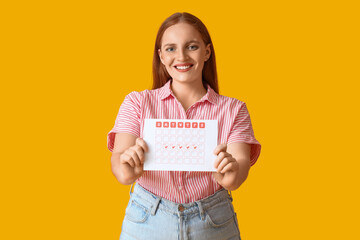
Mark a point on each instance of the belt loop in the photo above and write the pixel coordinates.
(131, 187)
(155, 207)
(201, 210)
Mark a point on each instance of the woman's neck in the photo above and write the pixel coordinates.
(188, 93)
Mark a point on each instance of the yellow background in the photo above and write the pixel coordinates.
(66, 66)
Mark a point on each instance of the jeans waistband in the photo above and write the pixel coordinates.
(181, 208)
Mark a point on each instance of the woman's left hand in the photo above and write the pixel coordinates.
(226, 165)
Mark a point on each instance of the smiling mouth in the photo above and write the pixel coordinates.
(183, 67)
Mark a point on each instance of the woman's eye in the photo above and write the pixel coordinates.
(169, 49)
(193, 47)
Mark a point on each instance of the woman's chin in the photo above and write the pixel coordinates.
(186, 80)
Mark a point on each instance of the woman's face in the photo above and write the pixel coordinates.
(183, 52)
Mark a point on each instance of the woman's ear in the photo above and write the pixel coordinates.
(207, 52)
(159, 52)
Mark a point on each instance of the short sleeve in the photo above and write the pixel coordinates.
(242, 131)
(127, 119)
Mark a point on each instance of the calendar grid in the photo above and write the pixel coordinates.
(180, 142)
(180, 145)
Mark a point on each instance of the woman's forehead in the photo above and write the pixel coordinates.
(181, 33)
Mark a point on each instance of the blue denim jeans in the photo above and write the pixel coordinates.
(150, 217)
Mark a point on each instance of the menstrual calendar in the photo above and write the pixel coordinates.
(180, 145)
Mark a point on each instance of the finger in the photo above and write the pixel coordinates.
(230, 167)
(223, 163)
(140, 142)
(125, 158)
(140, 153)
(220, 157)
(220, 148)
(134, 156)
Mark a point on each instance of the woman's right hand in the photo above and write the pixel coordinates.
(134, 157)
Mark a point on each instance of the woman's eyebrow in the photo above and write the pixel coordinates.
(192, 41)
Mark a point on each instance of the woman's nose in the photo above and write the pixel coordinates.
(182, 55)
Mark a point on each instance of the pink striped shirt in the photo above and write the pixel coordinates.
(234, 125)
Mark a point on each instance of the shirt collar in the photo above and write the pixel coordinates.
(211, 95)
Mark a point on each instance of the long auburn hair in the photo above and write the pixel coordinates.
(209, 73)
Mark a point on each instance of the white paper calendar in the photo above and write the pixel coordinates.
(180, 145)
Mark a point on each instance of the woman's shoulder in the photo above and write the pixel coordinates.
(144, 94)
(235, 102)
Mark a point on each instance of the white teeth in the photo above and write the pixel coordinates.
(182, 67)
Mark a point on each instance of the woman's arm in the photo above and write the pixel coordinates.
(232, 164)
(127, 160)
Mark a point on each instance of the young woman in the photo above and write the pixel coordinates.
(177, 204)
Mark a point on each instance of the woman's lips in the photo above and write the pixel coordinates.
(183, 67)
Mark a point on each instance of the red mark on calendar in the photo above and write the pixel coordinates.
(180, 124)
